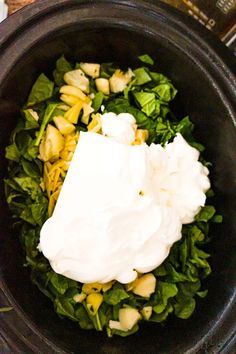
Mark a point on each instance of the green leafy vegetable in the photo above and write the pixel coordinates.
(28, 185)
(41, 91)
(185, 308)
(163, 293)
(115, 295)
(64, 308)
(162, 316)
(206, 213)
(30, 121)
(202, 294)
(83, 318)
(48, 116)
(141, 76)
(12, 153)
(31, 168)
(166, 91)
(179, 278)
(145, 58)
(62, 67)
(217, 219)
(127, 333)
(146, 100)
(107, 70)
(97, 101)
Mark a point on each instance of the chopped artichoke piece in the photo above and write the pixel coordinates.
(115, 325)
(79, 297)
(119, 80)
(129, 286)
(78, 79)
(71, 141)
(103, 85)
(91, 288)
(34, 114)
(128, 317)
(107, 286)
(146, 312)
(66, 155)
(63, 125)
(69, 100)
(145, 285)
(141, 136)
(63, 107)
(74, 91)
(91, 69)
(95, 125)
(94, 301)
(87, 110)
(51, 144)
(72, 115)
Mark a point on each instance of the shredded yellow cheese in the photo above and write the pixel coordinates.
(54, 173)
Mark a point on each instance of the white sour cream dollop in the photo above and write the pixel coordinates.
(122, 206)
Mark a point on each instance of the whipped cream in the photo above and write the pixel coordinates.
(122, 206)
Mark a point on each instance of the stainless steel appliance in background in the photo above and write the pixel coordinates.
(218, 16)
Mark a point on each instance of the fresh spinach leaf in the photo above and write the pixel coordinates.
(29, 185)
(146, 59)
(40, 279)
(127, 333)
(206, 213)
(147, 101)
(165, 91)
(158, 78)
(107, 70)
(41, 91)
(217, 219)
(12, 152)
(162, 316)
(115, 295)
(105, 314)
(184, 308)
(62, 67)
(31, 168)
(97, 101)
(202, 294)
(173, 275)
(164, 291)
(30, 121)
(83, 318)
(59, 283)
(64, 308)
(39, 210)
(141, 76)
(48, 116)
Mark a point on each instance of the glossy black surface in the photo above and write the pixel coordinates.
(202, 70)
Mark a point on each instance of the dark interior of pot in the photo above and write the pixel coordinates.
(208, 109)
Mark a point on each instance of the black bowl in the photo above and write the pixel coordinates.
(202, 70)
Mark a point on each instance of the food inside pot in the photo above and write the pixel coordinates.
(112, 195)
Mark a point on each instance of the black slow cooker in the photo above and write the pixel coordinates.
(203, 71)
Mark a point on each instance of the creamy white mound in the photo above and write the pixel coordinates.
(122, 206)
